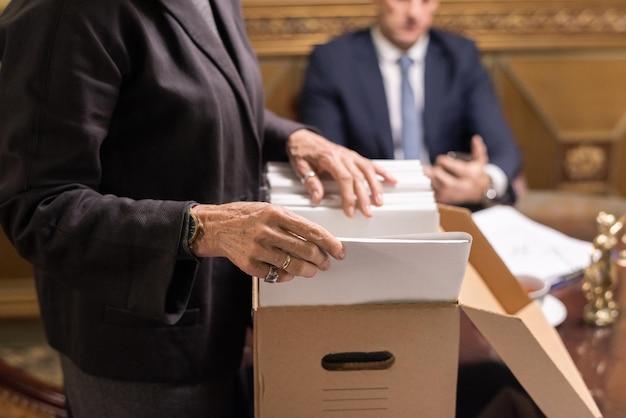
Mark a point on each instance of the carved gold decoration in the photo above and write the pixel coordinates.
(563, 21)
(293, 29)
(290, 27)
(585, 162)
(582, 21)
(600, 275)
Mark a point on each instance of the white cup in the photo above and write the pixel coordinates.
(536, 288)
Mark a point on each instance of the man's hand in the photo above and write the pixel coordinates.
(455, 181)
(359, 179)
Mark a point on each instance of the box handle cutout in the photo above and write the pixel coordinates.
(376, 360)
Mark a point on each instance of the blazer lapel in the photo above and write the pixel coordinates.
(208, 42)
(229, 13)
(375, 98)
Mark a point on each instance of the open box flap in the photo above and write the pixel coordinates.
(532, 349)
(485, 260)
(516, 327)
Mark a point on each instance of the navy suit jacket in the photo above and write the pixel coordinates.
(344, 97)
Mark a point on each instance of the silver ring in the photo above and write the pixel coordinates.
(307, 175)
(287, 262)
(272, 276)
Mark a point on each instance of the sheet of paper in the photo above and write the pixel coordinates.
(417, 199)
(416, 267)
(528, 247)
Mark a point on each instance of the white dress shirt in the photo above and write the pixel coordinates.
(388, 56)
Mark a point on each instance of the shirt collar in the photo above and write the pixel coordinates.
(386, 51)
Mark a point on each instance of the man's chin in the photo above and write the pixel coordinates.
(407, 39)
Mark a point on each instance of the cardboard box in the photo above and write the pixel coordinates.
(401, 359)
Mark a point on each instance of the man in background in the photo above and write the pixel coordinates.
(356, 94)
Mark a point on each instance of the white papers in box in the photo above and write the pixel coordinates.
(428, 267)
(387, 220)
(409, 207)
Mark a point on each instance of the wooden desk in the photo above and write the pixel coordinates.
(571, 213)
(599, 353)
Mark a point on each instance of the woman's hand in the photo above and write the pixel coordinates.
(359, 179)
(256, 235)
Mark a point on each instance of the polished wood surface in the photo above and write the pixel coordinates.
(569, 212)
(599, 353)
(596, 352)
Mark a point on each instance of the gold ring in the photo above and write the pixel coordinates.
(307, 175)
(272, 276)
(287, 262)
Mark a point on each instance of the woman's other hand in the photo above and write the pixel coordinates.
(359, 179)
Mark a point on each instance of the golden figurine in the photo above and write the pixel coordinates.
(600, 275)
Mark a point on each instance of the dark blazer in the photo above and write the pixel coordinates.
(116, 115)
(344, 96)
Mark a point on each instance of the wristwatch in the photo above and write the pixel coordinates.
(193, 230)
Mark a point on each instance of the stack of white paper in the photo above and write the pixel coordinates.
(395, 256)
(409, 207)
(409, 173)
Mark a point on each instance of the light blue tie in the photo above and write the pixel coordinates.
(411, 118)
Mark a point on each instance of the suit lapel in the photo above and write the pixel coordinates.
(208, 42)
(375, 98)
(434, 88)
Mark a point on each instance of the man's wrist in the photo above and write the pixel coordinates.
(498, 178)
(490, 196)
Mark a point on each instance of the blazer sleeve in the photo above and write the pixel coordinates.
(276, 134)
(57, 103)
(486, 117)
